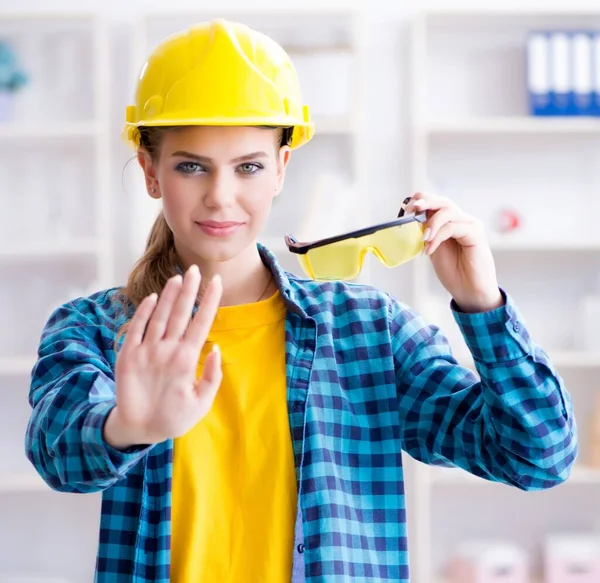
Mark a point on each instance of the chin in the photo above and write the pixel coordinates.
(219, 251)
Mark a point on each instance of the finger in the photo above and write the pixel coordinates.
(181, 313)
(138, 323)
(438, 220)
(158, 322)
(212, 375)
(451, 230)
(423, 201)
(202, 321)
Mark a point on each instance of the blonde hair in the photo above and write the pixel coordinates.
(159, 261)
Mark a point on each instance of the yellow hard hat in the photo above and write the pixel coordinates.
(219, 73)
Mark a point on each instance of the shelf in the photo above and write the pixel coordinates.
(16, 366)
(560, 358)
(63, 17)
(15, 130)
(513, 125)
(456, 477)
(512, 19)
(22, 482)
(522, 244)
(334, 125)
(575, 359)
(442, 580)
(281, 11)
(73, 248)
(515, 12)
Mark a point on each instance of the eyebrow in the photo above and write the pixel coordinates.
(207, 160)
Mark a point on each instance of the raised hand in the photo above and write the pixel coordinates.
(158, 394)
(459, 251)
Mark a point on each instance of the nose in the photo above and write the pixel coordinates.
(220, 192)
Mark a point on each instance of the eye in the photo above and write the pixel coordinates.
(189, 167)
(250, 168)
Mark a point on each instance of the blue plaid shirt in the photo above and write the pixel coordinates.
(367, 379)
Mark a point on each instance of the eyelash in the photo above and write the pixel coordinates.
(255, 165)
(184, 168)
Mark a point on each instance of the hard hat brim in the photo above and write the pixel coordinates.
(303, 131)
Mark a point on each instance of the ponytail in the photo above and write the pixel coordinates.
(153, 269)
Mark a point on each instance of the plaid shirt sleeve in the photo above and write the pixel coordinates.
(513, 424)
(72, 392)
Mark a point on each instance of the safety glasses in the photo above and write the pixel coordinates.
(342, 256)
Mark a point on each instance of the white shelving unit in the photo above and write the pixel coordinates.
(512, 125)
(457, 477)
(325, 180)
(43, 130)
(473, 140)
(75, 247)
(55, 244)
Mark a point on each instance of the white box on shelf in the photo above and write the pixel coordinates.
(489, 562)
(572, 558)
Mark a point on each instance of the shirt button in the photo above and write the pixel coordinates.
(300, 548)
(517, 327)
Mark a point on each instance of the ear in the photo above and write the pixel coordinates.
(145, 162)
(282, 162)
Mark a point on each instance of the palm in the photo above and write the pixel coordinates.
(452, 264)
(464, 267)
(157, 388)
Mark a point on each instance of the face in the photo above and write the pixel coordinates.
(217, 185)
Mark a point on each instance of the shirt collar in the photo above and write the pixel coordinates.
(288, 286)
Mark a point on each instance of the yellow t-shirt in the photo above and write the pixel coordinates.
(234, 484)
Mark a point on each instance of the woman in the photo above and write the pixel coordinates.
(242, 423)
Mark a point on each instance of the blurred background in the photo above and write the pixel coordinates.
(494, 104)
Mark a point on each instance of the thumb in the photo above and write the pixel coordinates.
(212, 375)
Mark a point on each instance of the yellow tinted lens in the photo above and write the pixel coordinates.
(306, 266)
(339, 260)
(398, 245)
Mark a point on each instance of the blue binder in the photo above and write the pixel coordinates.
(596, 74)
(582, 73)
(538, 73)
(563, 73)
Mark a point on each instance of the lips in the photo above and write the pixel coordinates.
(218, 224)
(219, 228)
